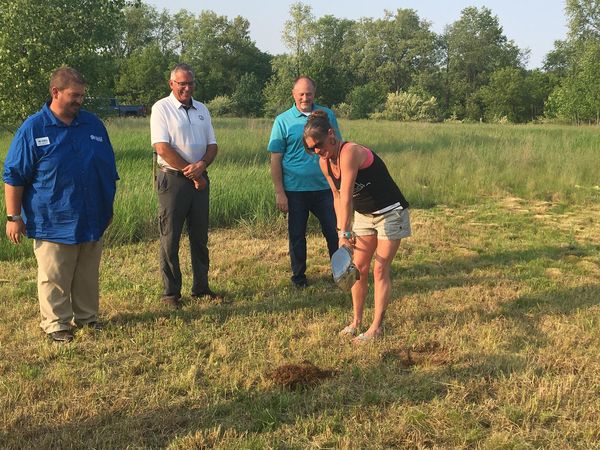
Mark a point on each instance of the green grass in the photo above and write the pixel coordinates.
(491, 338)
(449, 164)
(499, 305)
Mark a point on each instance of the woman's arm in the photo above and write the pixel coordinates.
(349, 160)
(335, 192)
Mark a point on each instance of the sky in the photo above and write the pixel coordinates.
(531, 24)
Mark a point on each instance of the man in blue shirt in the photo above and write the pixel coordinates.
(60, 182)
(300, 186)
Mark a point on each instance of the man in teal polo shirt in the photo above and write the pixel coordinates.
(300, 187)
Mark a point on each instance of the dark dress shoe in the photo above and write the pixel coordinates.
(172, 301)
(95, 325)
(303, 284)
(208, 293)
(61, 336)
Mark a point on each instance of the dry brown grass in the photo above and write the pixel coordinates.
(491, 341)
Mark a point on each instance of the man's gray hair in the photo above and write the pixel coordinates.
(181, 67)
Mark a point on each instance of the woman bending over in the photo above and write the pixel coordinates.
(361, 183)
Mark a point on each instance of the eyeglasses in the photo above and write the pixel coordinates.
(312, 149)
(184, 83)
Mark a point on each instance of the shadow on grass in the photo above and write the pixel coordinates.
(267, 409)
(264, 409)
(323, 294)
(523, 314)
(559, 301)
(456, 272)
(260, 410)
(320, 296)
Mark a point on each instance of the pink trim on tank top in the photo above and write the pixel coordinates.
(369, 160)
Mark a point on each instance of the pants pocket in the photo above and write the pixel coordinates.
(162, 184)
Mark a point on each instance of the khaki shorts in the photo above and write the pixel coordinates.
(392, 226)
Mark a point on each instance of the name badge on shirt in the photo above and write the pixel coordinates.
(42, 141)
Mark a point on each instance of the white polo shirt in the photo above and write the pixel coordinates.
(188, 132)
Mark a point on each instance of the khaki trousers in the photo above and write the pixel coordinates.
(68, 279)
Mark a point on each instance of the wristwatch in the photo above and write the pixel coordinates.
(13, 217)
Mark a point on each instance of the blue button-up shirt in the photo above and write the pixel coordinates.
(68, 173)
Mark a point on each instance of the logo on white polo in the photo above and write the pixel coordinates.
(42, 141)
(96, 138)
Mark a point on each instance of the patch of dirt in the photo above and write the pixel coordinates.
(428, 353)
(298, 376)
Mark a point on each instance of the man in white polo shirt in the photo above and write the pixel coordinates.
(184, 140)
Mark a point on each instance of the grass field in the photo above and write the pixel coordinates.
(492, 337)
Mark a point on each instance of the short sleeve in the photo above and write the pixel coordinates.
(20, 162)
(159, 128)
(210, 132)
(277, 141)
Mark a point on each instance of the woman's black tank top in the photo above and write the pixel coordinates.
(374, 188)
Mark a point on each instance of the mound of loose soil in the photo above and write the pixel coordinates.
(295, 376)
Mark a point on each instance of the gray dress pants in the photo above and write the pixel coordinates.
(180, 202)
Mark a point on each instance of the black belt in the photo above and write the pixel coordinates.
(171, 171)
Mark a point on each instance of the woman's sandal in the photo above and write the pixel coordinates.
(364, 339)
(348, 331)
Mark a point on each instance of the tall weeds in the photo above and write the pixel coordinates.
(434, 164)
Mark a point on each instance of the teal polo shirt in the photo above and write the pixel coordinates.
(301, 171)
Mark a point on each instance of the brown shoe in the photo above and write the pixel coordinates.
(172, 301)
(61, 336)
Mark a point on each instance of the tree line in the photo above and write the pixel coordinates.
(394, 67)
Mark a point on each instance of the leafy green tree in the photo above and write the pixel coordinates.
(578, 97)
(142, 25)
(328, 61)
(476, 47)
(278, 90)
(395, 49)
(138, 29)
(37, 37)
(558, 60)
(366, 99)
(584, 19)
(183, 24)
(540, 86)
(324, 56)
(574, 66)
(247, 96)
(221, 51)
(143, 77)
(298, 35)
(507, 95)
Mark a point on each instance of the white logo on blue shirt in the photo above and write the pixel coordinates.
(96, 138)
(42, 141)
